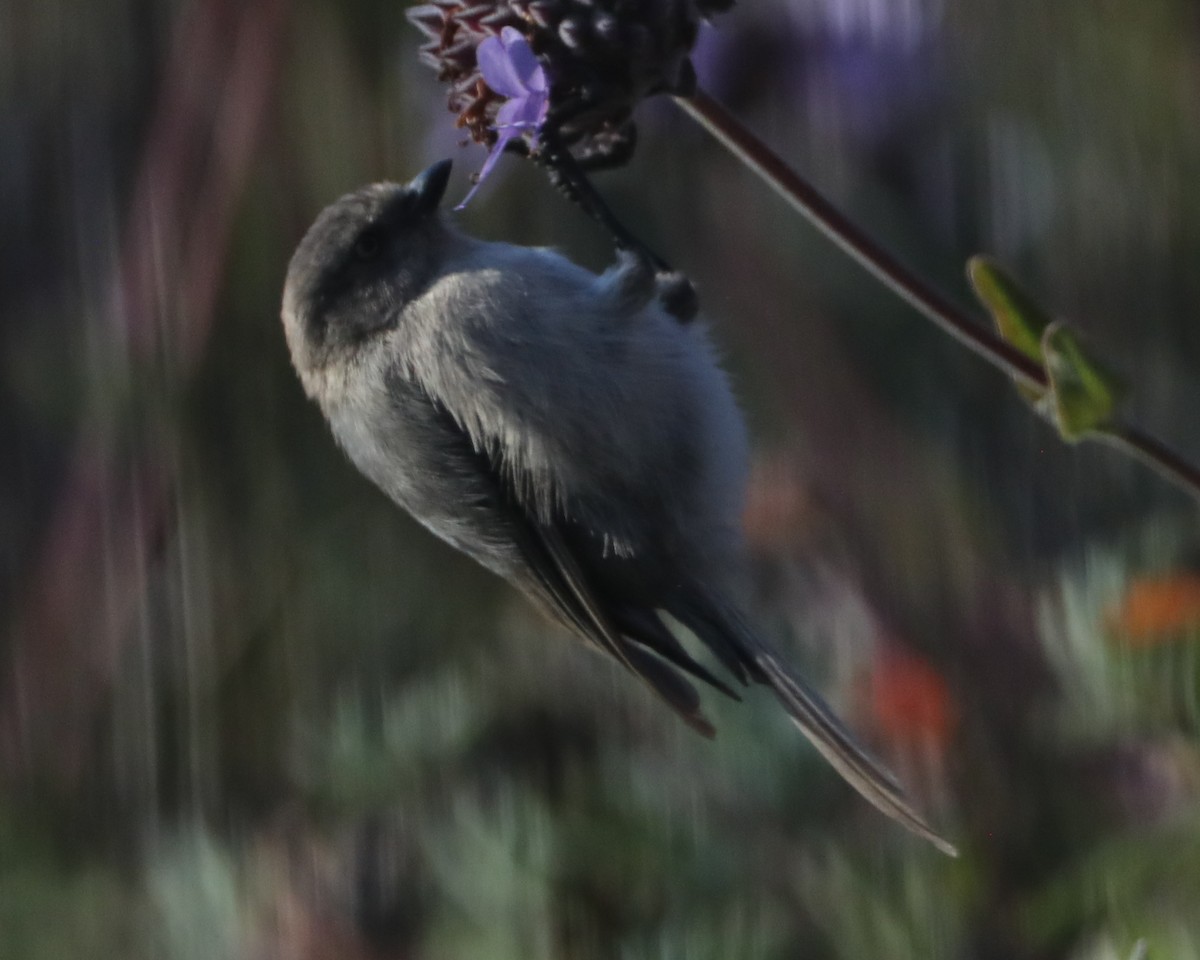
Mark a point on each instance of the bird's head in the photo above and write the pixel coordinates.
(364, 258)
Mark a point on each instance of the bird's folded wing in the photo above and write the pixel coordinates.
(549, 571)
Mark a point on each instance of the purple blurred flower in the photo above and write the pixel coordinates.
(509, 67)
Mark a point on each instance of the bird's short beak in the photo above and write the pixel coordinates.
(430, 184)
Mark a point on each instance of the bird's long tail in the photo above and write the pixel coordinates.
(724, 630)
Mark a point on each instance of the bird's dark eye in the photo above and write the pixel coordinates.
(369, 244)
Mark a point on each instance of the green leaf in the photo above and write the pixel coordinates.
(1085, 393)
(1018, 317)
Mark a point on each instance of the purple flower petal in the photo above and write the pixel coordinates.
(509, 67)
(502, 139)
(498, 69)
(531, 74)
(523, 113)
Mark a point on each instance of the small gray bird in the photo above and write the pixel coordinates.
(563, 429)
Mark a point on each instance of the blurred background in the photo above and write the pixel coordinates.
(249, 710)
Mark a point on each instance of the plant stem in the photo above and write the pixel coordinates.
(830, 221)
(806, 199)
(1155, 454)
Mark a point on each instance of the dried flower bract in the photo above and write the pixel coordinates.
(600, 56)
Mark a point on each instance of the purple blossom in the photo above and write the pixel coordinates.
(509, 67)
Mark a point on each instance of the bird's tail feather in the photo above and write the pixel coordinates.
(723, 629)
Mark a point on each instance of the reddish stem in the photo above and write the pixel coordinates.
(819, 211)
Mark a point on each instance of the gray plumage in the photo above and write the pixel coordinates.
(562, 428)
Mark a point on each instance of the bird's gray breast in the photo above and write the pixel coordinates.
(411, 448)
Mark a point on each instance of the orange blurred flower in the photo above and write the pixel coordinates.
(1158, 609)
(909, 702)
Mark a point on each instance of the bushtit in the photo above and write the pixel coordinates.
(562, 428)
